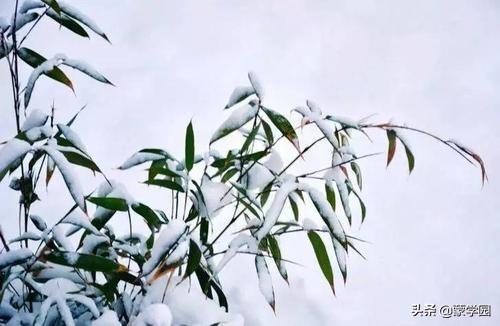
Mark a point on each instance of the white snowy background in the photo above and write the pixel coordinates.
(433, 64)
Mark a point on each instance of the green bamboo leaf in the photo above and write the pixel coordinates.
(92, 263)
(165, 184)
(265, 193)
(295, 208)
(276, 253)
(54, 5)
(250, 138)
(268, 131)
(148, 214)
(189, 147)
(322, 257)
(330, 194)
(229, 174)
(391, 136)
(357, 171)
(67, 22)
(284, 126)
(193, 259)
(34, 60)
(113, 204)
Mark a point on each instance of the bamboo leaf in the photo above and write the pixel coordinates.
(113, 204)
(284, 126)
(193, 259)
(34, 60)
(391, 136)
(165, 184)
(322, 257)
(147, 213)
(189, 147)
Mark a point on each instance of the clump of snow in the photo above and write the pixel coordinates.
(78, 218)
(36, 118)
(168, 237)
(239, 241)
(108, 318)
(239, 94)
(61, 238)
(274, 211)
(257, 86)
(13, 150)
(14, 257)
(215, 196)
(156, 314)
(309, 225)
(38, 133)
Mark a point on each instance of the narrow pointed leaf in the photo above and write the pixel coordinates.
(189, 147)
(284, 126)
(322, 257)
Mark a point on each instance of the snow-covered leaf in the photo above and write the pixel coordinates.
(168, 237)
(36, 118)
(66, 21)
(26, 236)
(34, 60)
(326, 212)
(11, 152)
(72, 136)
(341, 254)
(256, 85)
(142, 156)
(68, 174)
(274, 211)
(265, 281)
(239, 94)
(236, 120)
(86, 69)
(14, 257)
(82, 18)
(39, 222)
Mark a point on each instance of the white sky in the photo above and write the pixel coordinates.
(431, 64)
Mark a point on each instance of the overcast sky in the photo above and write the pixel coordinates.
(432, 64)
